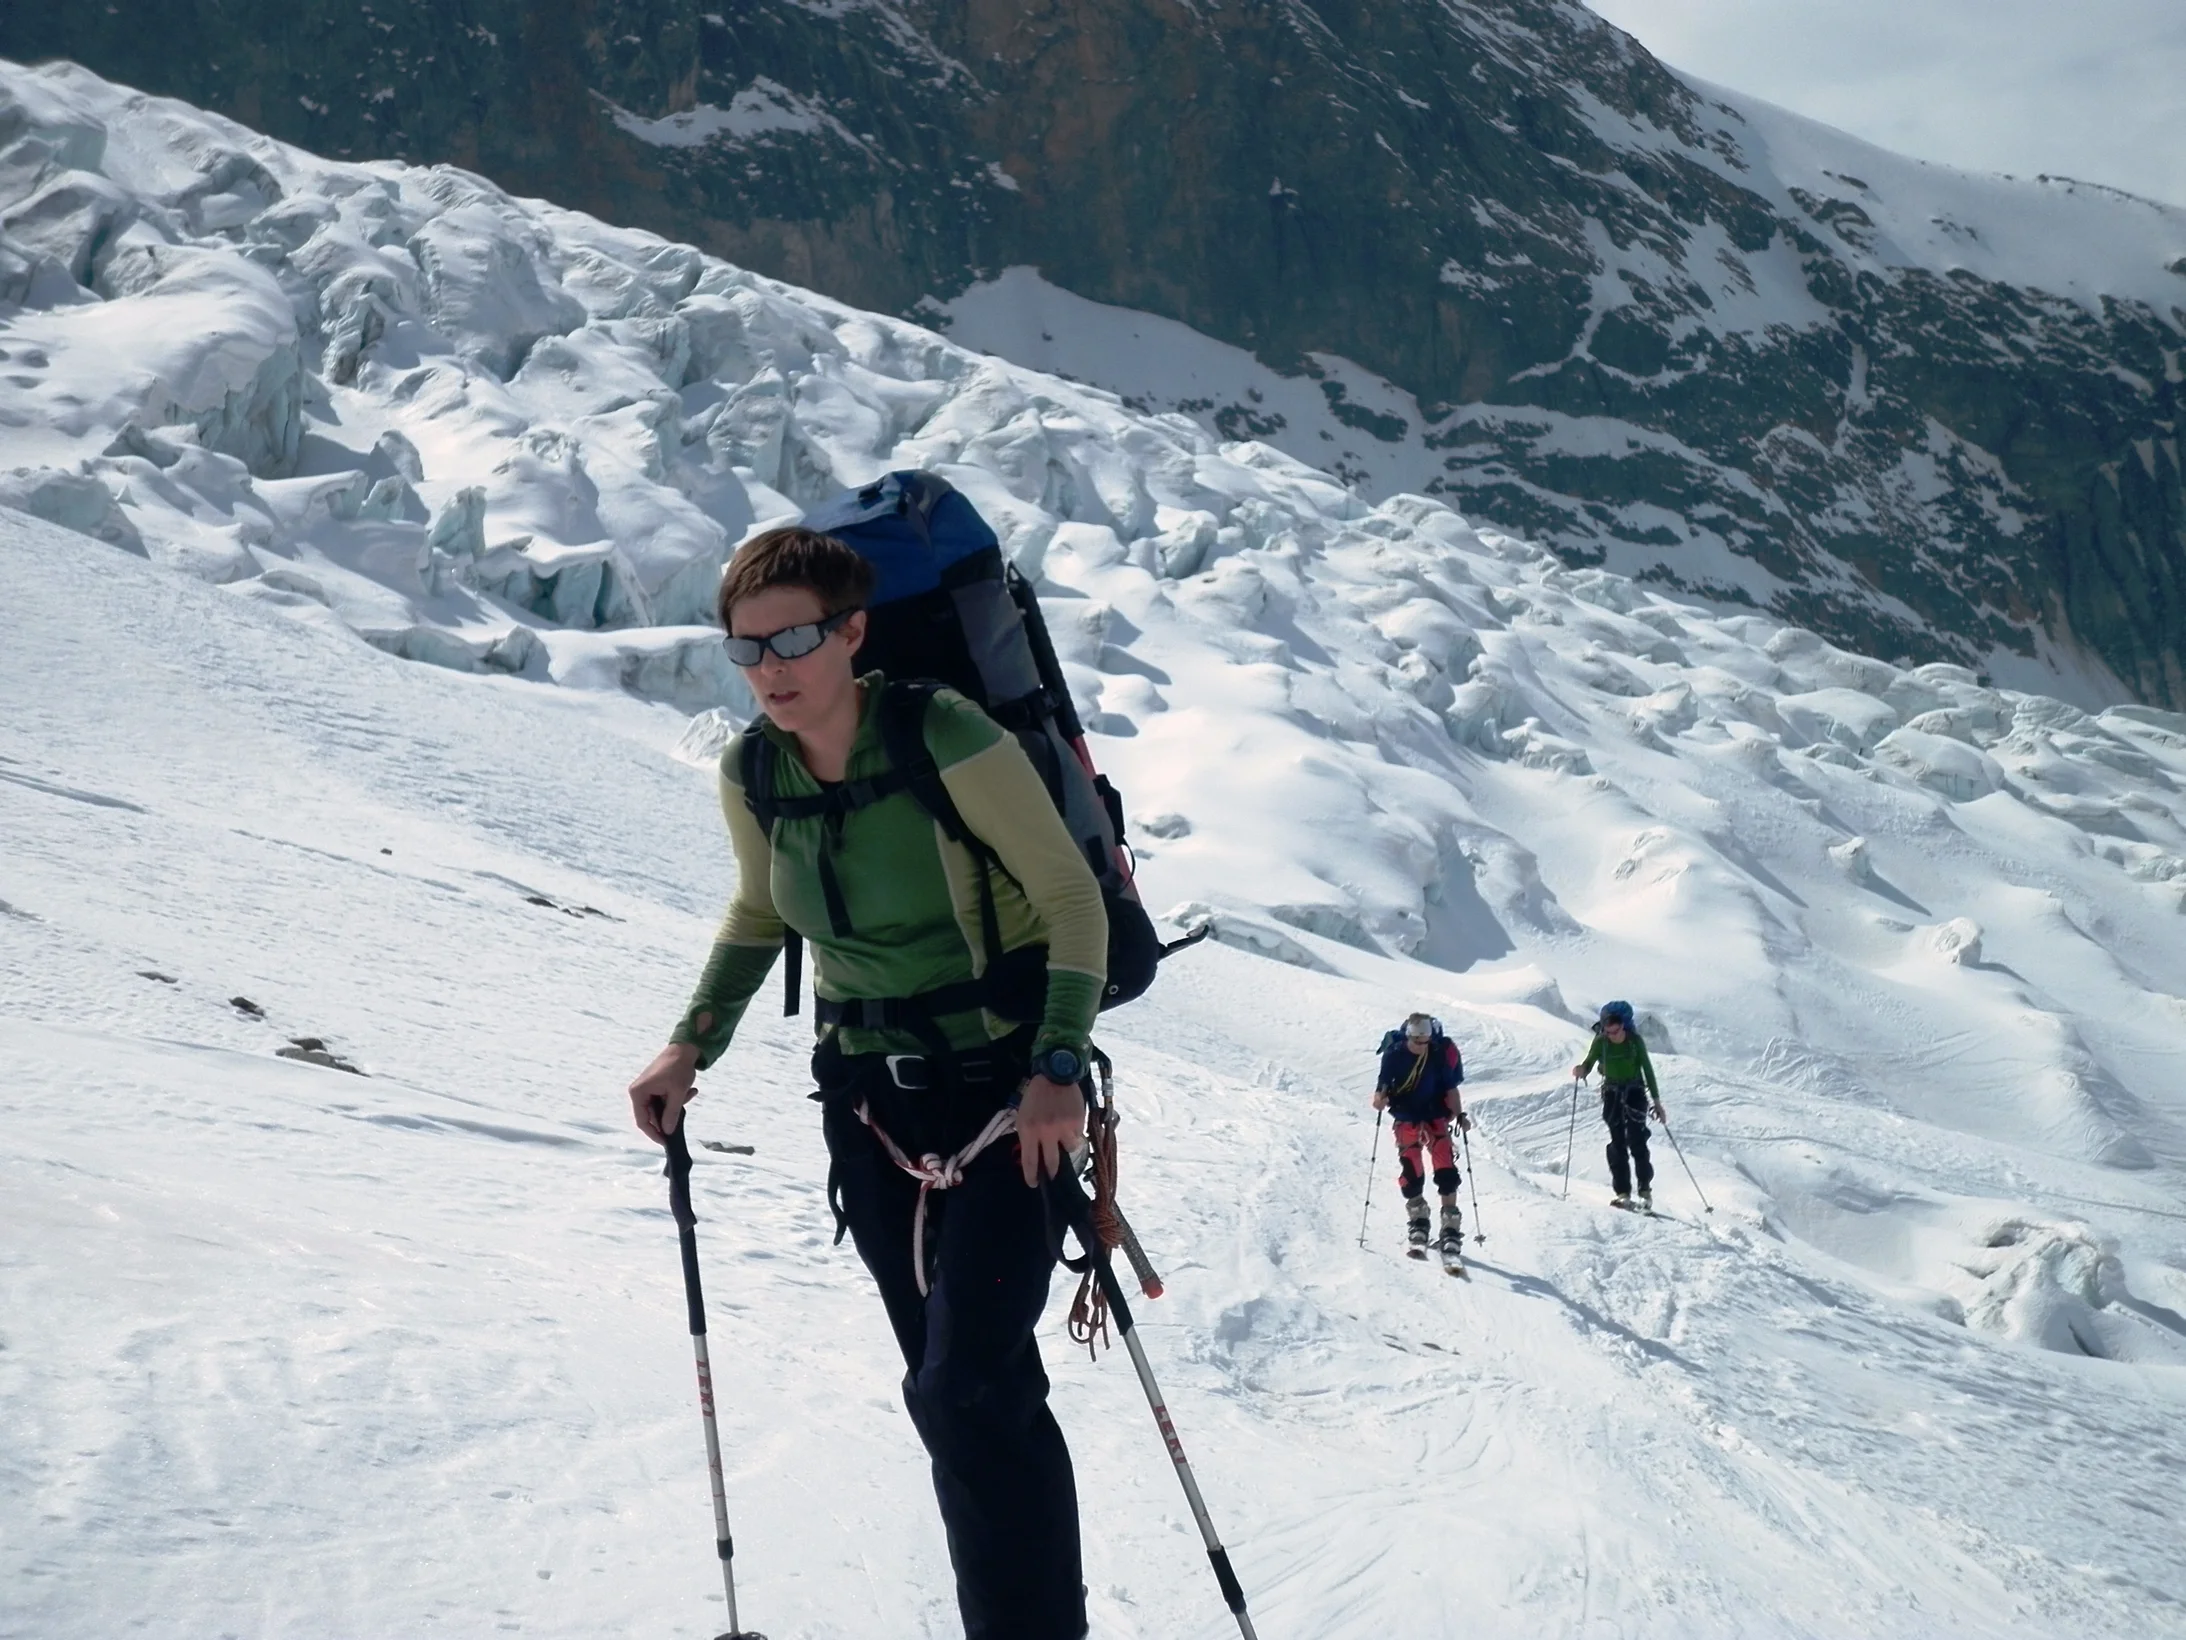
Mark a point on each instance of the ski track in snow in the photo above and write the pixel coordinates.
(285, 1350)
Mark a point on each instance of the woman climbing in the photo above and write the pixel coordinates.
(928, 1049)
(1628, 1093)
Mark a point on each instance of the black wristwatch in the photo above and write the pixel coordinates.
(1064, 1066)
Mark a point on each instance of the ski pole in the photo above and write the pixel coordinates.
(679, 1203)
(1103, 1112)
(1081, 1220)
(1373, 1157)
(1680, 1149)
(1465, 1138)
(1141, 1265)
(1572, 1136)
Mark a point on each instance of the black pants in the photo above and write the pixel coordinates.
(1624, 1110)
(974, 1384)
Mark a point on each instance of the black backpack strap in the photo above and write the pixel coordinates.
(903, 738)
(755, 772)
(902, 723)
(911, 760)
(834, 804)
(756, 763)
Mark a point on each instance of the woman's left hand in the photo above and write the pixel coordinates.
(1050, 1121)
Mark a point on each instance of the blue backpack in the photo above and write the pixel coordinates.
(948, 610)
(1436, 1043)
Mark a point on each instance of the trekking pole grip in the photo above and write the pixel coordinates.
(1141, 1266)
(678, 1145)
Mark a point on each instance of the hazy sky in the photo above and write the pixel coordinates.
(2094, 89)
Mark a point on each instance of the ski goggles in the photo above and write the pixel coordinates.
(791, 643)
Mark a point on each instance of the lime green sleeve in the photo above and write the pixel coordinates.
(1593, 1055)
(1005, 803)
(750, 934)
(1647, 1069)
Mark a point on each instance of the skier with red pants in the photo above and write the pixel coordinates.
(1420, 1072)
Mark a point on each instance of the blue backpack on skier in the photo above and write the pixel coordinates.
(948, 610)
(1407, 1080)
(1436, 1043)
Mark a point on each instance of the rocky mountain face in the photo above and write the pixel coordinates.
(1929, 415)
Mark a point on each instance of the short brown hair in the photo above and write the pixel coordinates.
(832, 572)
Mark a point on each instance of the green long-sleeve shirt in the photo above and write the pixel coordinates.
(1622, 1063)
(912, 894)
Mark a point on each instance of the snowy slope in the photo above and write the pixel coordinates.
(297, 1351)
(1913, 947)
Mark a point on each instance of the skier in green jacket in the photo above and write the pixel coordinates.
(1628, 1093)
(919, 1059)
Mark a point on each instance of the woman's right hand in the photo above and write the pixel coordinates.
(662, 1089)
(1578, 1073)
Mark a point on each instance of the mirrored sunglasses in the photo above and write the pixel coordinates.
(791, 643)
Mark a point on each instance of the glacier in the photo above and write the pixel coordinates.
(275, 429)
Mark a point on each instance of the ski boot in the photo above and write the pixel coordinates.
(1646, 1201)
(1451, 1243)
(1416, 1228)
(1623, 1199)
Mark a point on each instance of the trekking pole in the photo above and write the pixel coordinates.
(679, 1203)
(1141, 1265)
(1572, 1136)
(1465, 1138)
(1680, 1149)
(1372, 1158)
(1081, 1220)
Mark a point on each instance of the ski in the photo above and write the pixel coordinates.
(1452, 1248)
